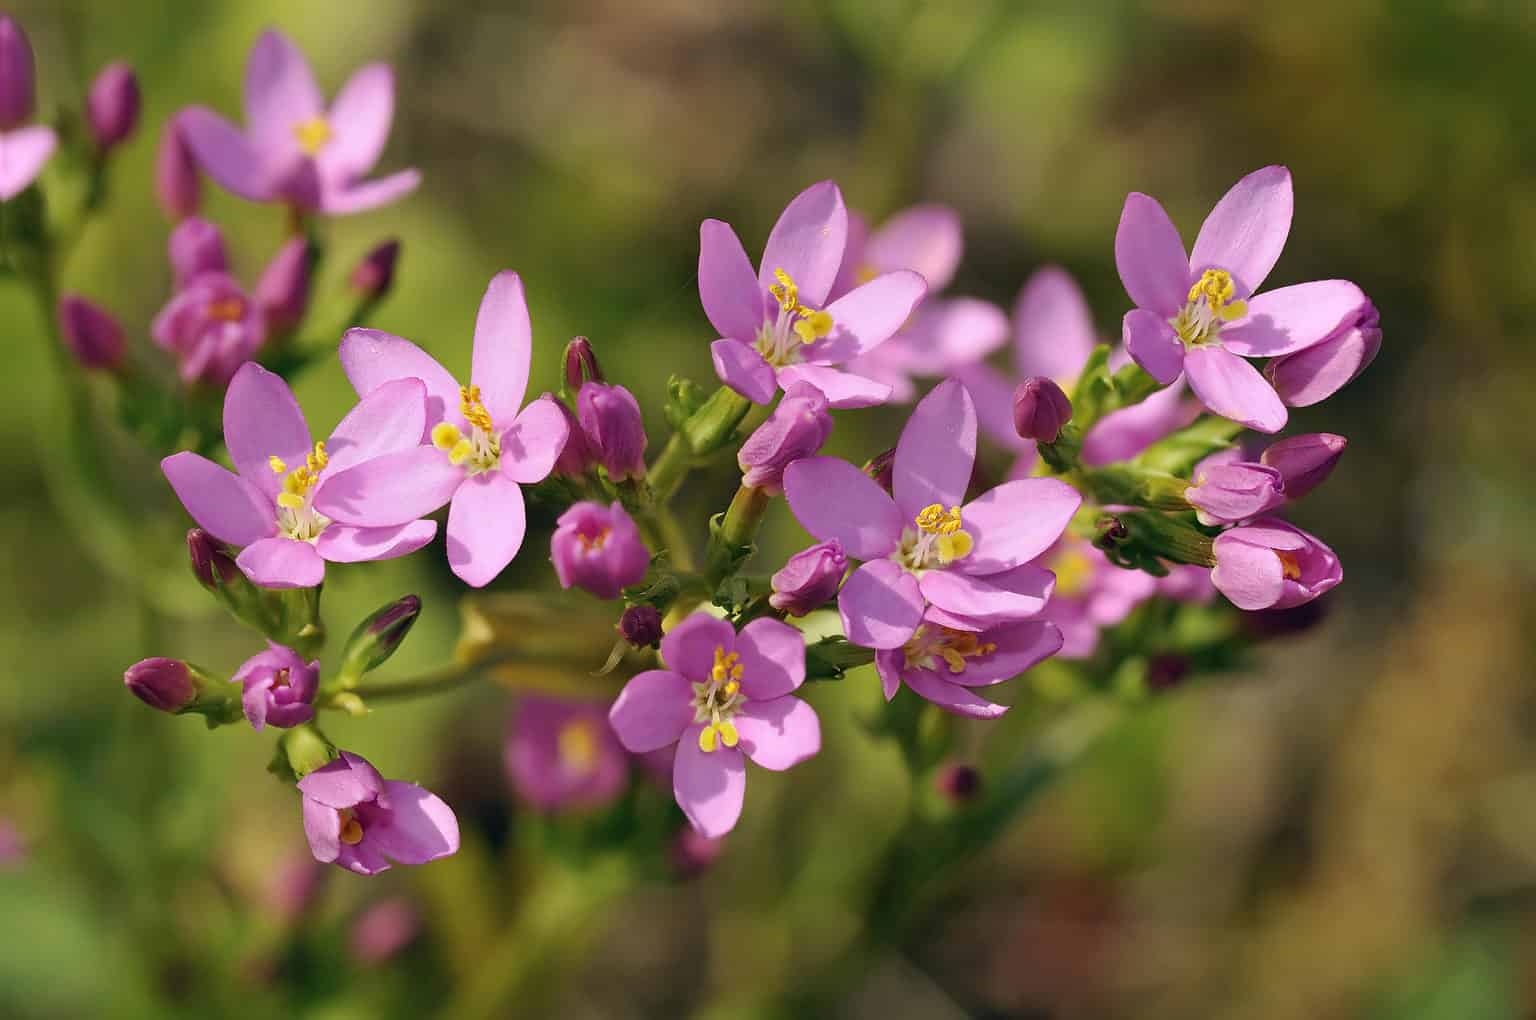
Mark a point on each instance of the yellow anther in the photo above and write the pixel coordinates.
(319, 459)
(290, 500)
(446, 435)
(732, 687)
(709, 739)
(1218, 290)
(956, 545)
(1233, 310)
(1073, 573)
(473, 410)
(351, 828)
(726, 667)
(576, 745)
(312, 134)
(226, 309)
(813, 325)
(276, 464)
(461, 452)
(935, 520)
(785, 292)
(727, 731)
(597, 541)
(1289, 568)
(952, 647)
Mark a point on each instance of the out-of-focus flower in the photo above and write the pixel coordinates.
(1090, 595)
(598, 549)
(165, 684)
(1318, 372)
(278, 687)
(562, 753)
(1040, 409)
(958, 783)
(809, 579)
(112, 106)
(922, 549)
(775, 325)
(24, 148)
(374, 274)
(293, 149)
(945, 665)
(723, 697)
(1186, 582)
(270, 506)
(282, 293)
(357, 819)
(613, 429)
(13, 849)
(1199, 314)
(693, 854)
(177, 185)
(641, 626)
(1271, 565)
(797, 428)
(1226, 491)
(382, 930)
(93, 336)
(195, 247)
(482, 447)
(212, 326)
(1304, 461)
(292, 886)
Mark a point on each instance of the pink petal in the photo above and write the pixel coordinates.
(1234, 389)
(652, 710)
(389, 419)
(503, 347)
(262, 420)
(950, 696)
(1018, 647)
(225, 505)
(833, 499)
(1123, 434)
(195, 247)
(993, 397)
(936, 451)
(280, 92)
(881, 605)
(1153, 344)
(842, 389)
(709, 785)
(322, 827)
(1247, 229)
(772, 659)
(689, 647)
(23, 153)
(420, 827)
(531, 446)
(347, 781)
(360, 117)
(1250, 576)
(486, 522)
(779, 733)
(807, 243)
(1293, 318)
(226, 155)
(1150, 257)
(867, 316)
(728, 287)
(1310, 376)
(743, 369)
(371, 358)
(889, 665)
(1016, 522)
(923, 238)
(1052, 328)
(341, 543)
(963, 595)
(948, 335)
(281, 563)
(390, 490)
(298, 182)
(381, 191)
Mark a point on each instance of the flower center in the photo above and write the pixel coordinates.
(797, 324)
(718, 699)
(351, 827)
(1290, 569)
(480, 450)
(313, 134)
(1210, 305)
(230, 309)
(594, 543)
(931, 645)
(296, 517)
(576, 745)
(938, 540)
(1073, 570)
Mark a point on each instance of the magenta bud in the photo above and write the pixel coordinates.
(376, 638)
(1040, 409)
(598, 549)
(880, 468)
(382, 931)
(1305, 461)
(92, 335)
(161, 683)
(693, 854)
(195, 247)
(580, 364)
(1271, 565)
(1226, 493)
(112, 107)
(177, 184)
(1318, 372)
(796, 429)
(809, 579)
(958, 783)
(641, 626)
(278, 687)
(575, 457)
(375, 274)
(17, 76)
(614, 431)
(283, 290)
(211, 565)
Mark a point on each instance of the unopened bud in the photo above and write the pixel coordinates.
(809, 579)
(93, 336)
(376, 638)
(880, 468)
(693, 854)
(283, 290)
(375, 274)
(1304, 461)
(164, 684)
(615, 432)
(1040, 409)
(177, 184)
(1227, 493)
(211, 565)
(580, 364)
(576, 456)
(958, 783)
(1318, 372)
(641, 626)
(112, 108)
(796, 429)
(17, 77)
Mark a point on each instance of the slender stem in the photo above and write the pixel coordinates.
(732, 542)
(438, 681)
(669, 469)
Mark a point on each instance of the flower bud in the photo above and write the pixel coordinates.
(615, 433)
(112, 107)
(598, 549)
(1040, 409)
(641, 626)
(1166, 671)
(580, 364)
(1304, 461)
(809, 579)
(1225, 493)
(283, 290)
(1318, 372)
(161, 683)
(958, 783)
(382, 931)
(796, 429)
(16, 75)
(196, 246)
(374, 640)
(375, 274)
(278, 687)
(880, 468)
(576, 457)
(693, 854)
(1271, 565)
(92, 335)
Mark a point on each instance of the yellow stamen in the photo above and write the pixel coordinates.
(576, 745)
(590, 543)
(226, 309)
(313, 134)
(727, 731)
(954, 546)
(446, 435)
(1216, 286)
(473, 410)
(462, 451)
(732, 687)
(276, 464)
(785, 292)
(953, 647)
(727, 667)
(936, 521)
(709, 739)
(1289, 568)
(290, 501)
(298, 482)
(351, 828)
(814, 323)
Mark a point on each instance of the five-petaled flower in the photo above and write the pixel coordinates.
(945, 664)
(561, 753)
(358, 820)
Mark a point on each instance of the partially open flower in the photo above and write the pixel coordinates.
(599, 549)
(797, 428)
(1271, 565)
(358, 820)
(278, 687)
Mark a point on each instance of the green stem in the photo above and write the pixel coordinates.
(731, 542)
(669, 469)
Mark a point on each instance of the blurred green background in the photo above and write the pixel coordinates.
(1348, 830)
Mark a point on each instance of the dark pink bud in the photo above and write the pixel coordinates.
(17, 77)
(375, 274)
(112, 108)
(211, 565)
(615, 432)
(580, 364)
(1305, 461)
(958, 783)
(177, 184)
(92, 335)
(809, 579)
(283, 290)
(641, 626)
(796, 429)
(880, 467)
(160, 683)
(1040, 409)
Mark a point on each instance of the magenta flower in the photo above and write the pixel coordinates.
(723, 697)
(776, 324)
(613, 431)
(293, 149)
(1200, 314)
(795, 430)
(482, 448)
(278, 687)
(357, 819)
(1317, 373)
(562, 753)
(24, 148)
(1271, 565)
(944, 665)
(1091, 594)
(271, 506)
(598, 548)
(927, 556)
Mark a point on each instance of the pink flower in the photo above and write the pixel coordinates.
(927, 556)
(482, 448)
(796, 429)
(1091, 594)
(562, 753)
(1227, 490)
(1317, 373)
(809, 579)
(1271, 565)
(945, 665)
(357, 819)
(1200, 314)
(599, 549)
(723, 697)
(776, 325)
(271, 506)
(24, 148)
(295, 150)
(278, 687)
